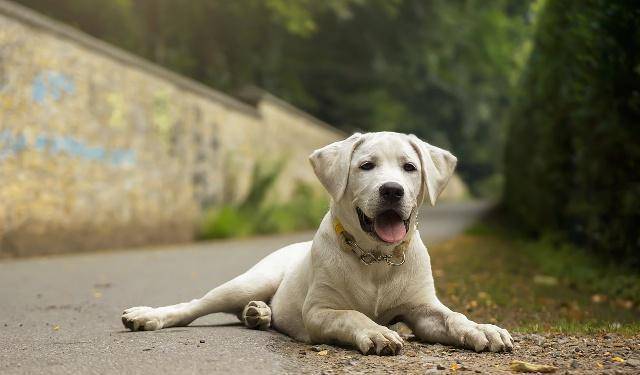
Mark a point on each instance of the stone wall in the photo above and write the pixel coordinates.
(99, 148)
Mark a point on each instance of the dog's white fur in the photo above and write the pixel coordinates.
(320, 293)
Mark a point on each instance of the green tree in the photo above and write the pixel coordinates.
(443, 69)
(573, 155)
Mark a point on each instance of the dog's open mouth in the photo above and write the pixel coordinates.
(388, 225)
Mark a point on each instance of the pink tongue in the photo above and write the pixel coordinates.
(390, 227)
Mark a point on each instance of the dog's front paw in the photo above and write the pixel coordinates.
(481, 337)
(380, 340)
(142, 318)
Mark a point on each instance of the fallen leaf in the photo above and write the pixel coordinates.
(97, 294)
(617, 359)
(545, 280)
(521, 366)
(599, 365)
(56, 327)
(323, 352)
(455, 366)
(624, 303)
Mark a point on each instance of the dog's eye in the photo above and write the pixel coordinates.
(367, 166)
(409, 167)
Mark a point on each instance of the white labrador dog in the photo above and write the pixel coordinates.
(365, 268)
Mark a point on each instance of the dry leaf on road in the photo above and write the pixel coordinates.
(521, 366)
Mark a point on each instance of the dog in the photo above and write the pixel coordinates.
(365, 268)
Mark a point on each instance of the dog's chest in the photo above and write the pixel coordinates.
(375, 296)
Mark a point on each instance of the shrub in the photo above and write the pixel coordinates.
(572, 162)
(255, 215)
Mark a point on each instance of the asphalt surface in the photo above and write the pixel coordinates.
(61, 314)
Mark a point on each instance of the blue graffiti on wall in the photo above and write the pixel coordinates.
(50, 83)
(13, 144)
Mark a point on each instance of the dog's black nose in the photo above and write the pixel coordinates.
(391, 192)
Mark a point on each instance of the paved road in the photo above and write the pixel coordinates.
(61, 315)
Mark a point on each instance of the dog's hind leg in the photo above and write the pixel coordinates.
(257, 284)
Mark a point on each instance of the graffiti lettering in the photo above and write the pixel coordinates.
(13, 144)
(52, 84)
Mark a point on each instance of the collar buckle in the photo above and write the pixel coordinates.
(392, 263)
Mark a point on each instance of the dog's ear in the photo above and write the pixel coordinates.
(437, 168)
(331, 165)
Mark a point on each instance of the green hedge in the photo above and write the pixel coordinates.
(572, 162)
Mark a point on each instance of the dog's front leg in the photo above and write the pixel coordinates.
(436, 323)
(350, 327)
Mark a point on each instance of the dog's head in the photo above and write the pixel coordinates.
(377, 181)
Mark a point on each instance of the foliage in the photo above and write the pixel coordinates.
(256, 215)
(495, 275)
(443, 69)
(573, 155)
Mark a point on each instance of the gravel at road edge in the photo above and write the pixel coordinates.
(584, 354)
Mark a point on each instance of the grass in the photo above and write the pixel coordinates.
(573, 327)
(255, 215)
(534, 286)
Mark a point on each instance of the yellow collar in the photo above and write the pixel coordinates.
(368, 257)
(337, 226)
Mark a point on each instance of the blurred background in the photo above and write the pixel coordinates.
(138, 122)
